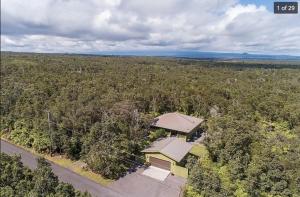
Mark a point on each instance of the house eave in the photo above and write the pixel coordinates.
(157, 152)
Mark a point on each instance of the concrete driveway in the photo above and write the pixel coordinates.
(138, 185)
(156, 173)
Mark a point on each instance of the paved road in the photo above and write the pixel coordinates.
(79, 182)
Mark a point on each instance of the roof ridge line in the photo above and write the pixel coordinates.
(170, 156)
(181, 115)
(171, 140)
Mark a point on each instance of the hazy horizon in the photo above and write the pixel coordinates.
(88, 27)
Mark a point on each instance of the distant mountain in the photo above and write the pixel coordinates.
(188, 54)
(204, 55)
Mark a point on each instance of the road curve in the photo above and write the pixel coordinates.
(65, 175)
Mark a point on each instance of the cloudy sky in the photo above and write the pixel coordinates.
(94, 26)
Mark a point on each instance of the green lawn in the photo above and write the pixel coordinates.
(199, 150)
(67, 163)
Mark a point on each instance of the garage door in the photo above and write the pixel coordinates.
(160, 163)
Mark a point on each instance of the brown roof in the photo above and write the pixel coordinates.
(177, 122)
(171, 147)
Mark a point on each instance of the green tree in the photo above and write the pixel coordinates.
(44, 180)
(19, 181)
(64, 189)
(205, 181)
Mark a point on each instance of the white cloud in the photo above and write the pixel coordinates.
(93, 26)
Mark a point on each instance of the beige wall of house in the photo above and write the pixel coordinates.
(175, 168)
(182, 136)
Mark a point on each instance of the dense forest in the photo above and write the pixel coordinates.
(19, 181)
(98, 109)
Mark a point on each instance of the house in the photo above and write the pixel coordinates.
(169, 154)
(180, 125)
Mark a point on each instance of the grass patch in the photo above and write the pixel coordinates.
(69, 164)
(199, 150)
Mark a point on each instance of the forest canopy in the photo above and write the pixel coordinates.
(100, 108)
(17, 180)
